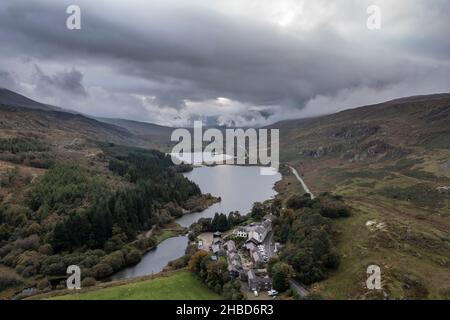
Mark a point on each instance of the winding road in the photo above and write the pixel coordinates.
(305, 187)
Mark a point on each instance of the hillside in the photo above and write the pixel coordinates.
(9, 98)
(180, 285)
(66, 134)
(77, 190)
(160, 135)
(388, 161)
(389, 129)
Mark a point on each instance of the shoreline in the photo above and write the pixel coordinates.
(171, 230)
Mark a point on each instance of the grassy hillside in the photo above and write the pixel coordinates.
(387, 160)
(70, 133)
(12, 99)
(159, 135)
(182, 285)
(66, 189)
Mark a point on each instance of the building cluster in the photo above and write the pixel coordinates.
(256, 231)
(256, 234)
(217, 244)
(258, 281)
(255, 245)
(234, 261)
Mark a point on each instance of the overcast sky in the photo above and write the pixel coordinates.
(235, 62)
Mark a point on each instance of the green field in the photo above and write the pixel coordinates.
(180, 285)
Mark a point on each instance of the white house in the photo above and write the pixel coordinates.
(241, 233)
(259, 231)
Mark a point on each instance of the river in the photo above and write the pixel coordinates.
(238, 186)
(155, 260)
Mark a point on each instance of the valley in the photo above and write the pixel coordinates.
(389, 162)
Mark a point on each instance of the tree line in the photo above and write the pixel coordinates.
(131, 210)
(78, 215)
(305, 229)
(220, 222)
(213, 271)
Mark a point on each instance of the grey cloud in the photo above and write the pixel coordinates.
(194, 52)
(69, 82)
(7, 81)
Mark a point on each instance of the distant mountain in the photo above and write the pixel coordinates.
(12, 99)
(21, 116)
(16, 106)
(144, 130)
(370, 132)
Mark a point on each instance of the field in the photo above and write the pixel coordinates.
(176, 286)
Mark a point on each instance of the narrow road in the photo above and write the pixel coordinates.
(302, 292)
(305, 187)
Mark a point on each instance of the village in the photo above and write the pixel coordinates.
(247, 250)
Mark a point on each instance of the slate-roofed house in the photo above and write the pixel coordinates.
(234, 266)
(265, 283)
(243, 275)
(257, 259)
(233, 258)
(235, 263)
(251, 244)
(259, 232)
(231, 246)
(217, 243)
(217, 249)
(252, 283)
(257, 283)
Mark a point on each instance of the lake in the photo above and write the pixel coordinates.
(238, 186)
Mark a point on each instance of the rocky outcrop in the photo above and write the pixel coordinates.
(358, 131)
(445, 166)
(443, 190)
(376, 150)
(322, 151)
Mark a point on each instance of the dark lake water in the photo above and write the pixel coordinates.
(238, 186)
(154, 261)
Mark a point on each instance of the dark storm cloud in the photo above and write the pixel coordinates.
(184, 51)
(7, 81)
(200, 56)
(67, 81)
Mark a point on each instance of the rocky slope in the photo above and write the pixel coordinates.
(390, 162)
